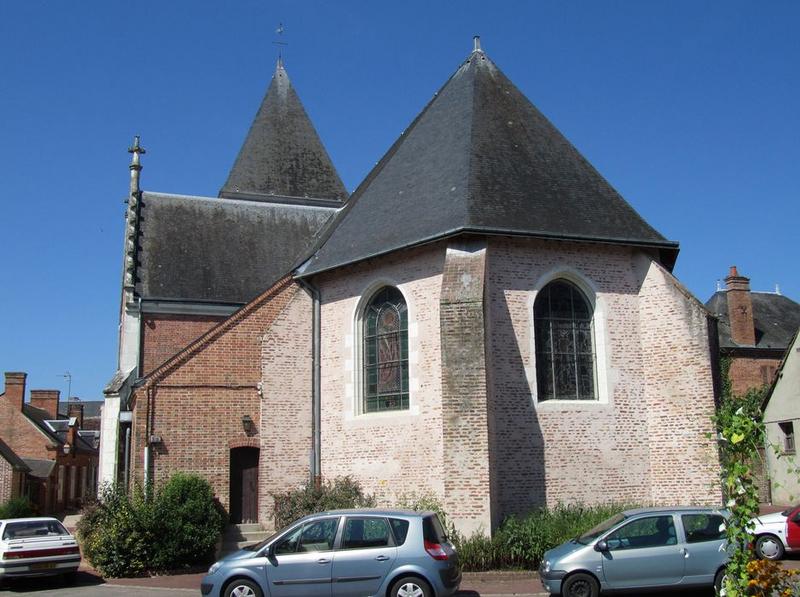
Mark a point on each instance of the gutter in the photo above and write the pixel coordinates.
(316, 474)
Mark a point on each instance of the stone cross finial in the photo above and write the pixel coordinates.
(136, 150)
(476, 42)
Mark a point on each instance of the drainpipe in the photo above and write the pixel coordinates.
(316, 474)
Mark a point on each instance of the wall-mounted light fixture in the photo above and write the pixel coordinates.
(247, 424)
(67, 448)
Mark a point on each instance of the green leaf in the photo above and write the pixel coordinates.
(737, 437)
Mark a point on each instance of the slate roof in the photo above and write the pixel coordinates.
(91, 408)
(480, 158)
(40, 468)
(40, 418)
(219, 250)
(776, 318)
(282, 153)
(11, 457)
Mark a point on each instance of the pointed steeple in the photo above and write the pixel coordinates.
(481, 158)
(282, 154)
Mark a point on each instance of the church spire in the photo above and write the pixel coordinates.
(132, 219)
(282, 154)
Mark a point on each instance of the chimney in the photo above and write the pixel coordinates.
(72, 435)
(15, 388)
(740, 309)
(75, 409)
(47, 400)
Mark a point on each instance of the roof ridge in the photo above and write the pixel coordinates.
(181, 357)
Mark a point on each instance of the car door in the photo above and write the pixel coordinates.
(643, 553)
(704, 546)
(364, 556)
(793, 529)
(299, 564)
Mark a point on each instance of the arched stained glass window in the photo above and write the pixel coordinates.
(385, 354)
(564, 347)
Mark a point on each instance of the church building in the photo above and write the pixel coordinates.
(485, 319)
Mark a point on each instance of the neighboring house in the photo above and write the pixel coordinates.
(485, 319)
(755, 329)
(13, 474)
(782, 420)
(62, 461)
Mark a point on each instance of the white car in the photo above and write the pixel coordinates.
(777, 533)
(36, 547)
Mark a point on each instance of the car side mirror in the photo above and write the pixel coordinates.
(601, 545)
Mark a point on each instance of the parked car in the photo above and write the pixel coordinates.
(345, 553)
(36, 547)
(777, 533)
(647, 548)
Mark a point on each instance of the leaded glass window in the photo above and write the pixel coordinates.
(564, 349)
(385, 355)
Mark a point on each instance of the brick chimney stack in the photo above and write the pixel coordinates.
(75, 409)
(15, 388)
(47, 400)
(740, 309)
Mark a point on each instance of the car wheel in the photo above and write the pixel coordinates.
(411, 586)
(580, 585)
(241, 587)
(769, 547)
(719, 581)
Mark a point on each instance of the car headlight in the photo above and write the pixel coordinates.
(214, 567)
(547, 565)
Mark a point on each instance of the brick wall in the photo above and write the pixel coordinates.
(393, 453)
(677, 376)
(21, 434)
(6, 480)
(286, 404)
(164, 335)
(550, 452)
(465, 421)
(752, 373)
(199, 399)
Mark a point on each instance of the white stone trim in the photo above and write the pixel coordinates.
(599, 339)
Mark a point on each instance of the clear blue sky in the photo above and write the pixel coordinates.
(690, 109)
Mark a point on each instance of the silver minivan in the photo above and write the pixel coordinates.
(344, 553)
(647, 548)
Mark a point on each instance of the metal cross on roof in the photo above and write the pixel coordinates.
(279, 43)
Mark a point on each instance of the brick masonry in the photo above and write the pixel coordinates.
(6, 480)
(197, 398)
(748, 373)
(164, 335)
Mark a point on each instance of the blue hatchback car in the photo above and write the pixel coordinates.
(643, 549)
(345, 553)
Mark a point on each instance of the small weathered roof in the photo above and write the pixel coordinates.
(219, 250)
(57, 431)
(480, 158)
(39, 467)
(12, 458)
(91, 408)
(776, 319)
(282, 153)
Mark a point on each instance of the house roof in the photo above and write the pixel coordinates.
(40, 468)
(480, 158)
(91, 408)
(11, 457)
(282, 153)
(219, 250)
(776, 319)
(55, 429)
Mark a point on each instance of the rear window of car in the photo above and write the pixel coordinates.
(703, 527)
(432, 530)
(400, 530)
(33, 528)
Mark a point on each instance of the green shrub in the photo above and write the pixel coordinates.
(342, 492)
(129, 533)
(18, 507)
(190, 521)
(519, 543)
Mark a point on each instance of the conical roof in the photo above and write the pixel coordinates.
(480, 158)
(282, 154)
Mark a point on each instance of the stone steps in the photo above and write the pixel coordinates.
(237, 536)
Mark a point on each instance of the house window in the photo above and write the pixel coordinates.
(385, 352)
(787, 429)
(564, 346)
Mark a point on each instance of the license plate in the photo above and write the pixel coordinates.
(43, 566)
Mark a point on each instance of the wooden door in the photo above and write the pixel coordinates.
(244, 485)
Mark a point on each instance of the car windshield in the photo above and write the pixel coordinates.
(601, 528)
(33, 528)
